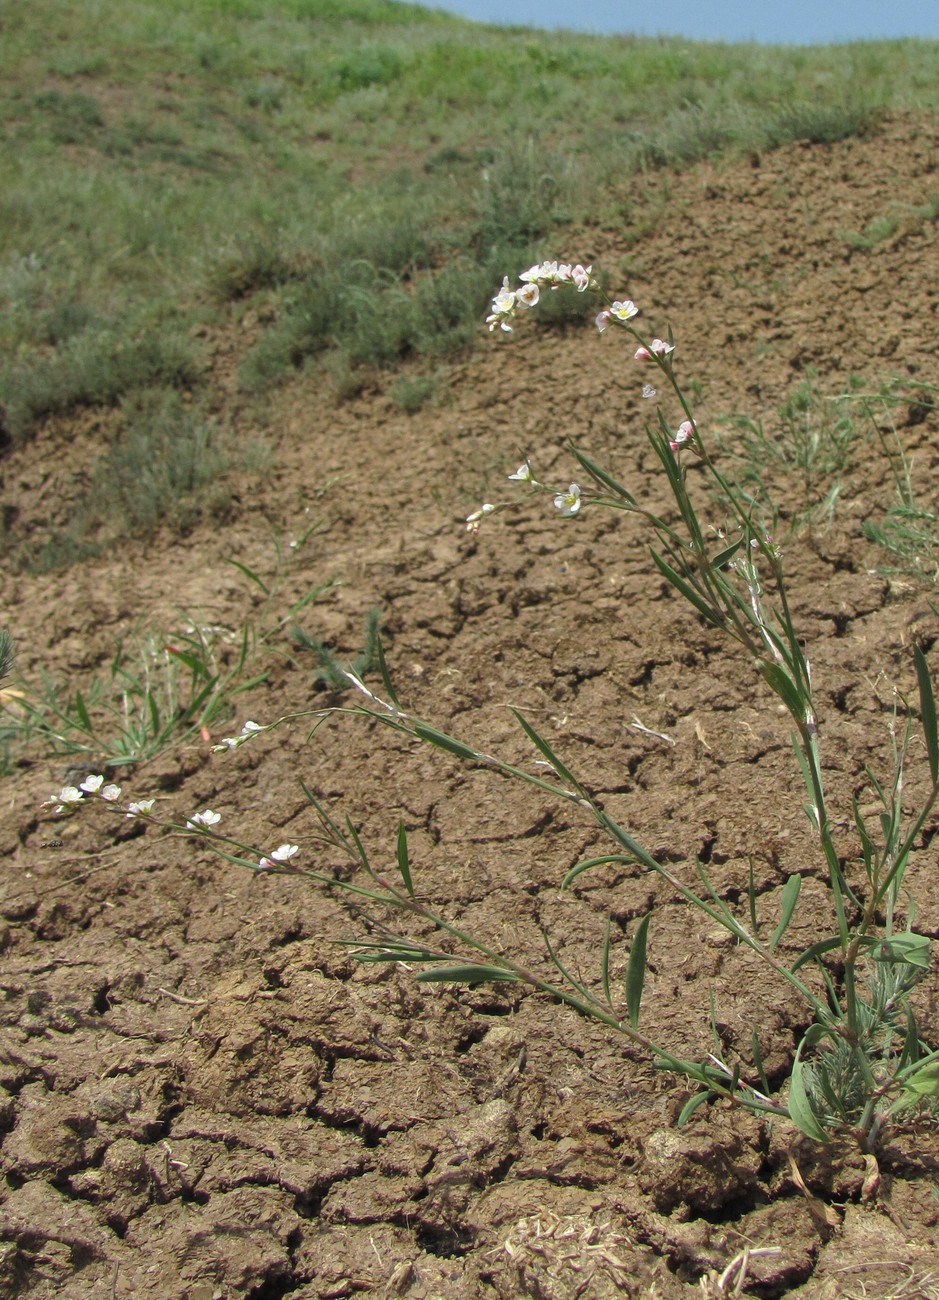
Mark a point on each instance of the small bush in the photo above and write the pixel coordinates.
(159, 468)
(95, 367)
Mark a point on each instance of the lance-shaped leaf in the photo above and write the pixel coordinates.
(404, 865)
(469, 974)
(543, 747)
(636, 970)
(443, 741)
(790, 896)
(385, 675)
(800, 1108)
(691, 1105)
(927, 709)
(779, 681)
(600, 475)
(687, 591)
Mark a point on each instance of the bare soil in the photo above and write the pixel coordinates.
(203, 1096)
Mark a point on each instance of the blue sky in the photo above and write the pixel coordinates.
(798, 22)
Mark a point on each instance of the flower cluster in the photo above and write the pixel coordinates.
(549, 275)
(70, 796)
(232, 742)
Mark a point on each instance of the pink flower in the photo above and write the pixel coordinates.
(581, 277)
(602, 320)
(685, 433)
(658, 346)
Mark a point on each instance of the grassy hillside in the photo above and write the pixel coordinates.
(363, 171)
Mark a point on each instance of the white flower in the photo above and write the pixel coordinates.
(602, 320)
(69, 795)
(568, 502)
(624, 311)
(232, 742)
(111, 793)
(285, 852)
(648, 390)
(503, 308)
(139, 807)
(203, 820)
(528, 296)
(92, 784)
(581, 277)
(523, 474)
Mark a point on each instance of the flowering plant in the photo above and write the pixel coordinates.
(861, 1061)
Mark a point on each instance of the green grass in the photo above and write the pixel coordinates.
(368, 169)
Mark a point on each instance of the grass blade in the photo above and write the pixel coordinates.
(790, 897)
(469, 974)
(404, 865)
(636, 970)
(927, 709)
(249, 574)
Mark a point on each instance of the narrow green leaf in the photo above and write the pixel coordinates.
(403, 864)
(605, 964)
(470, 974)
(443, 741)
(636, 970)
(154, 710)
(385, 675)
(691, 1105)
(601, 476)
(727, 554)
(927, 709)
(782, 684)
(79, 705)
(757, 1053)
(814, 951)
(751, 897)
(591, 862)
(195, 665)
(687, 591)
(544, 748)
(249, 573)
(800, 1108)
(790, 897)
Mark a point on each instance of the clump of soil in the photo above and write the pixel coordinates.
(203, 1096)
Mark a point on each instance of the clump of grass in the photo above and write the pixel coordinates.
(159, 468)
(908, 531)
(333, 672)
(95, 367)
(810, 437)
(409, 394)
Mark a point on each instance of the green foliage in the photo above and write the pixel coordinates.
(159, 689)
(118, 211)
(330, 670)
(908, 531)
(159, 468)
(93, 367)
(810, 438)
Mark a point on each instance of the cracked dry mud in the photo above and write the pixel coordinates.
(202, 1095)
